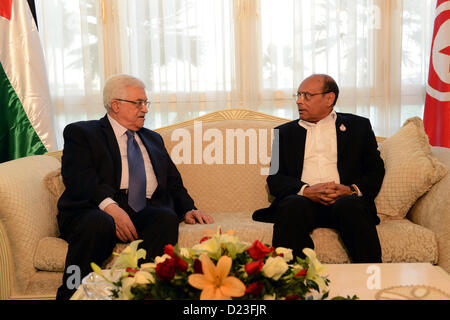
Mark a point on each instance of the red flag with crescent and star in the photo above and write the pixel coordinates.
(5, 9)
(436, 117)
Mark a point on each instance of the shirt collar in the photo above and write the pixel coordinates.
(118, 129)
(331, 118)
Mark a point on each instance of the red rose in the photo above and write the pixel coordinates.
(255, 288)
(168, 249)
(180, 264)
(258, 251)
(204, 239)
(165, 271)
(301, 273)
(131, 270)
(198, 266)
(254, 267)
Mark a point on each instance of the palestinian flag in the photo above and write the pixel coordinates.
(26, 120)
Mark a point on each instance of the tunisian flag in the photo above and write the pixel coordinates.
(436, 116)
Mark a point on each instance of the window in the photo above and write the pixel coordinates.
(198, 56)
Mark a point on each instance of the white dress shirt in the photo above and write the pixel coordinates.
(320, 159)
(152, 183)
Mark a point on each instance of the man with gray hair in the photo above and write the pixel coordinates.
(121, 184)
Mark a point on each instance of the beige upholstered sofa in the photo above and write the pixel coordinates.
(226, 178)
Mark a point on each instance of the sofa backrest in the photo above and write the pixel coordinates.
(224, 158)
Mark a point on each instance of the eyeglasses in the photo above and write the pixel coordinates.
(307, 96)
(139, 104)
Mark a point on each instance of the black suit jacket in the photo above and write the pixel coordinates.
(358, 161)
(92, 168)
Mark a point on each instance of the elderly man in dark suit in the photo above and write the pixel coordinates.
(121, 184)
(329, 173)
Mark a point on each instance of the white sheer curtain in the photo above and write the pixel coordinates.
(377, 51)
(197, 56)
(184, 51)
(71, 34)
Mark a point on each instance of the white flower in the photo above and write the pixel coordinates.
(149, 266)
(287, 253)
(143, 277)
(274, 267)
(185, 253)
(218, 241)
(316, 270)
(130, 256)
(211, 247)
(234, 245)
(163, 258)
(314, 262)
(125, 292)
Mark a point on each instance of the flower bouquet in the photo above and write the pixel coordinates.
(219, 267)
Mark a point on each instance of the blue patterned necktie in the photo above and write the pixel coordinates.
(137, 180)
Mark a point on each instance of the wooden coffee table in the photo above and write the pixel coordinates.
(389, 281)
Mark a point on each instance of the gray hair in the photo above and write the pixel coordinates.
(115, 87)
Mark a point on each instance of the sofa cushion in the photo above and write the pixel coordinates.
(404, 241)
(401, 241)
(411, 170)
(50, 254)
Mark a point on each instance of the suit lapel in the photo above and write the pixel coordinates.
(341, 134)
(153, 153)
(299, 147)
(113, 147)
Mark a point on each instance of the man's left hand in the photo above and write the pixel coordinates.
(335, 191)
(194, 216)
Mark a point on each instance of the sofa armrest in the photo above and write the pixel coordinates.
(27, 214)
(432, 210)
(6, 265)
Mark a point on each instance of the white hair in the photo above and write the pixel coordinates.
(115, 88)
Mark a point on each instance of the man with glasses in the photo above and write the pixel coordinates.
(330, 172)
(121, 184)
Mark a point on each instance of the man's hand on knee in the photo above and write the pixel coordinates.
(323, 193)
(125, 229)
(194, 216)
(336, 191)
(342, 190)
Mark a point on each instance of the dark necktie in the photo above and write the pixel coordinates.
(137, 180)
